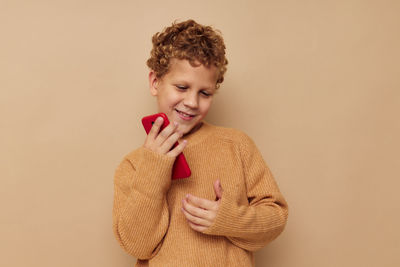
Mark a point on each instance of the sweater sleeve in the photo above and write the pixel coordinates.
(254, 224)
(140, 211)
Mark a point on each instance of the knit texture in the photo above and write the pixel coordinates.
(147, 218)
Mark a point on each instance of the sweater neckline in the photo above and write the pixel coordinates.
(199, 135)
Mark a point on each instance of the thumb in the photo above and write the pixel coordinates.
(218, 189)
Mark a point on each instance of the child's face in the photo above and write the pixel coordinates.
(185, 93)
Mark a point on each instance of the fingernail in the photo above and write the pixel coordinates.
(159, 119)
(175, 123)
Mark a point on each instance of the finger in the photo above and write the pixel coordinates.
(218, 189)
(170, 142)
(201, 202)
(195, 220)
(155, 128)
(178, 149)
(196, 211)
(193, 210)
(149, 141)
(196, 227)
(165, 133)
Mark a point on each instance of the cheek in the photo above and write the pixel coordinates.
(174, 98)
(170, 101)
(205, 106)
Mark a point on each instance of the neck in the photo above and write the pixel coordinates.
(194, 129)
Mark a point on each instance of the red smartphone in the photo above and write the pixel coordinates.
(181, 167)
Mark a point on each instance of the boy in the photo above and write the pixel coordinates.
(230, 206)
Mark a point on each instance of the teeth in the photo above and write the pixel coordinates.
(184, 114)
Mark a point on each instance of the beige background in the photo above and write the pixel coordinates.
(314, 83)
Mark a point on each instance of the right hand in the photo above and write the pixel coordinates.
(162, 142)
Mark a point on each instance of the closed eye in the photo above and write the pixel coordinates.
(181, 87)
(205, 93)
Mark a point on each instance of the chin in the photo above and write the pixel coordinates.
(191, 129)
(185, 129)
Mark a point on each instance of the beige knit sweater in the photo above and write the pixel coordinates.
(147, 218)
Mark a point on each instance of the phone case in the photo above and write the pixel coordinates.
(181, 167)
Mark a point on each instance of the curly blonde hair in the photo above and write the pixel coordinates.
(191, 41)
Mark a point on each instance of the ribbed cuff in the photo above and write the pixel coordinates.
(153, 173)
(226, 219)
(245, 221)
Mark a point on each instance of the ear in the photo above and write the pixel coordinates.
(153, 83)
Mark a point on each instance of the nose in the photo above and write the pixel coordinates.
(191, 100)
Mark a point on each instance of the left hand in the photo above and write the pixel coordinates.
(199, 212)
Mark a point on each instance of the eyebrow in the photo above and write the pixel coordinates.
(186, 83)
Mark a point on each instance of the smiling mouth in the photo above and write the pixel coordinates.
(187, 115)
